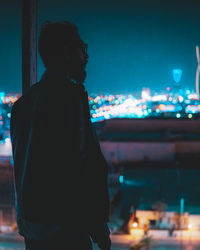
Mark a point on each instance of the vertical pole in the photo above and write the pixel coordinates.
(198, 71)
(181, 213)
(29, 44)
(13, 215)
(181, 206)
(1, 219)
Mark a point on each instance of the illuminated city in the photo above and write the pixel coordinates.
(184, 104)
(165, 105)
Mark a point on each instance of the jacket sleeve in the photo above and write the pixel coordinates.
(99, 230)
(102, 169)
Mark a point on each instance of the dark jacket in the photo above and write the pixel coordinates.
(59, 169)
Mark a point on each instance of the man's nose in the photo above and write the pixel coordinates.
(86, 56)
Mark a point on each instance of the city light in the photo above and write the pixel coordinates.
(183, 104)
(169, 104)
(121, 179)
(135, 224)
(2, 96)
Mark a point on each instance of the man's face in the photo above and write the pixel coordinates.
(78, 59)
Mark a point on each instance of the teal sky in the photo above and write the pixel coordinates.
(131, 44)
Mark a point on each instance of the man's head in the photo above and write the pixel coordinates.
(61, 48)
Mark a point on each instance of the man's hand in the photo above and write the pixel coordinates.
(105, 245)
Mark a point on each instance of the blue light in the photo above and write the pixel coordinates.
(121, 179)
(182, 206)
(192, 109)
(2, 95)
(177, 74)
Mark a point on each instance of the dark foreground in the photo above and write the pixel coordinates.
(13, 242)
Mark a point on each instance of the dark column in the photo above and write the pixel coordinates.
(29, 44)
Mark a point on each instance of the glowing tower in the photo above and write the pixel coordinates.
(177, 75)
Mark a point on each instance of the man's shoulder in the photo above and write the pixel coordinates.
(27, 97)
(50, 90)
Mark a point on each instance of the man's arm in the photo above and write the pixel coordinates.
(99, 230)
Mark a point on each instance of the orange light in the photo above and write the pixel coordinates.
(161, 107)
(135, 224)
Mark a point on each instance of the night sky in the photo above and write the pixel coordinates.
(131, 43)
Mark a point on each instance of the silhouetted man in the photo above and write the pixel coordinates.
(60, 173)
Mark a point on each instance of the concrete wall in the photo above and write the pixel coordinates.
(151, 151)
(138, 151)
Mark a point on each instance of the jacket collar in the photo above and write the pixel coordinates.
(52, 75)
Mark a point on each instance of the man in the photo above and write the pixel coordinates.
(60, 173)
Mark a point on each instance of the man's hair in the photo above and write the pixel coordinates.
(53, 37)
